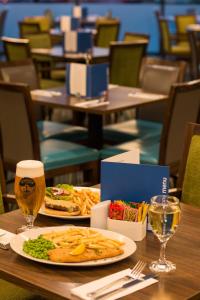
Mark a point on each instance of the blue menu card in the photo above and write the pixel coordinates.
(86, 80)
(129, 181)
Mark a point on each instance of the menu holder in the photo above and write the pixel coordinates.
(92, 81)
(68, 23)
(79, 12)
(122, 177)
(134, 230)
(77, 41)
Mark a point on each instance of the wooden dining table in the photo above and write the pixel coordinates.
(96, 55)
(55, 282)
(118, 99)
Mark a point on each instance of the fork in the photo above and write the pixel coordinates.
(134, 274)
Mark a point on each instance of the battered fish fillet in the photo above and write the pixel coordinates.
(63, 255)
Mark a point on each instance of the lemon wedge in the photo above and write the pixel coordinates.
(78, 250)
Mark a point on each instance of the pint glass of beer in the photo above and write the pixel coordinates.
(29, 189)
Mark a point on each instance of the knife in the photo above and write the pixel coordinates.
(124, 286)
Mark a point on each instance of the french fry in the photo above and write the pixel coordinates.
(144, 213)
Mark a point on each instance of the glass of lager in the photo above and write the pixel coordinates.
(29, 190)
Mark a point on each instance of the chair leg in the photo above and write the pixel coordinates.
(92, 176)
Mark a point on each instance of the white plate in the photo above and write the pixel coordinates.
(17, 242)
(42, 209)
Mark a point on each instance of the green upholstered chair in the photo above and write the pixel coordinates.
(59, 157)
(8, 290)
(133, 36)
(19, 49)
(43, 22)
(25, 72)
(16, 49)
(178, 49)
(49, 15)
(28, 28)
(107, 32)
(182, 107)
(182, 22)
(125, 62)
(44, 40)
(189, 172)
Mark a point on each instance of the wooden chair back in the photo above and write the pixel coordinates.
(20, 72)
(157, 76)
(16, 49)
(18, 127)
(26, 28)
(133, 36)
(125, 62)
(194, 40)
(165, 35)
(182, 107)
(3, 15)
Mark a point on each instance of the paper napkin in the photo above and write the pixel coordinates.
(5, 238)
(91, 103)
(45, 93)
(84, 289)
(142, 95)
(99, 215)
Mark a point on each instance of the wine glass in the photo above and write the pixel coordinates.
(29, 190)
(164, 215)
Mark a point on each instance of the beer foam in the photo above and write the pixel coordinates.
(30, 168)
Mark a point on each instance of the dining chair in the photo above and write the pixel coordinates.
(125, 62)
(133, 36)
(3, 15)
(43, 22)
(49, 15)
(25, 72)
(182, 21)
(194, 41)
(170, 47)
(16, 49)
(26, 28)
(189, 171)
(157, 76)
(20, 138)
(19, 49)
(107, 32)
(182, 107)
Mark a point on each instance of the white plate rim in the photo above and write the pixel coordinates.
(42, 212)
(17, 241)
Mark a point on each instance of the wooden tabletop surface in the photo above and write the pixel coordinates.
(120, 98)
(56, 282)
(97, 54)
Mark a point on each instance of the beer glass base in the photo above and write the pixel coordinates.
(25, 228)
(162, 266)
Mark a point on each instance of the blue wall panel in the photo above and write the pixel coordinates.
(134, 17)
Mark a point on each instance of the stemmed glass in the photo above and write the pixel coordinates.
(164, 215)
(29, 190)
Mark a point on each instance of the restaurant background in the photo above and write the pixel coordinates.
(135, 17)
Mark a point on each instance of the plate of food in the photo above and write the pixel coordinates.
(73, 246)
(69, 202)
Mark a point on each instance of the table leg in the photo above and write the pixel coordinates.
(95, 131)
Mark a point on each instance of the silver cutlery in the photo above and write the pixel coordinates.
(124, 286)
(134, 274)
